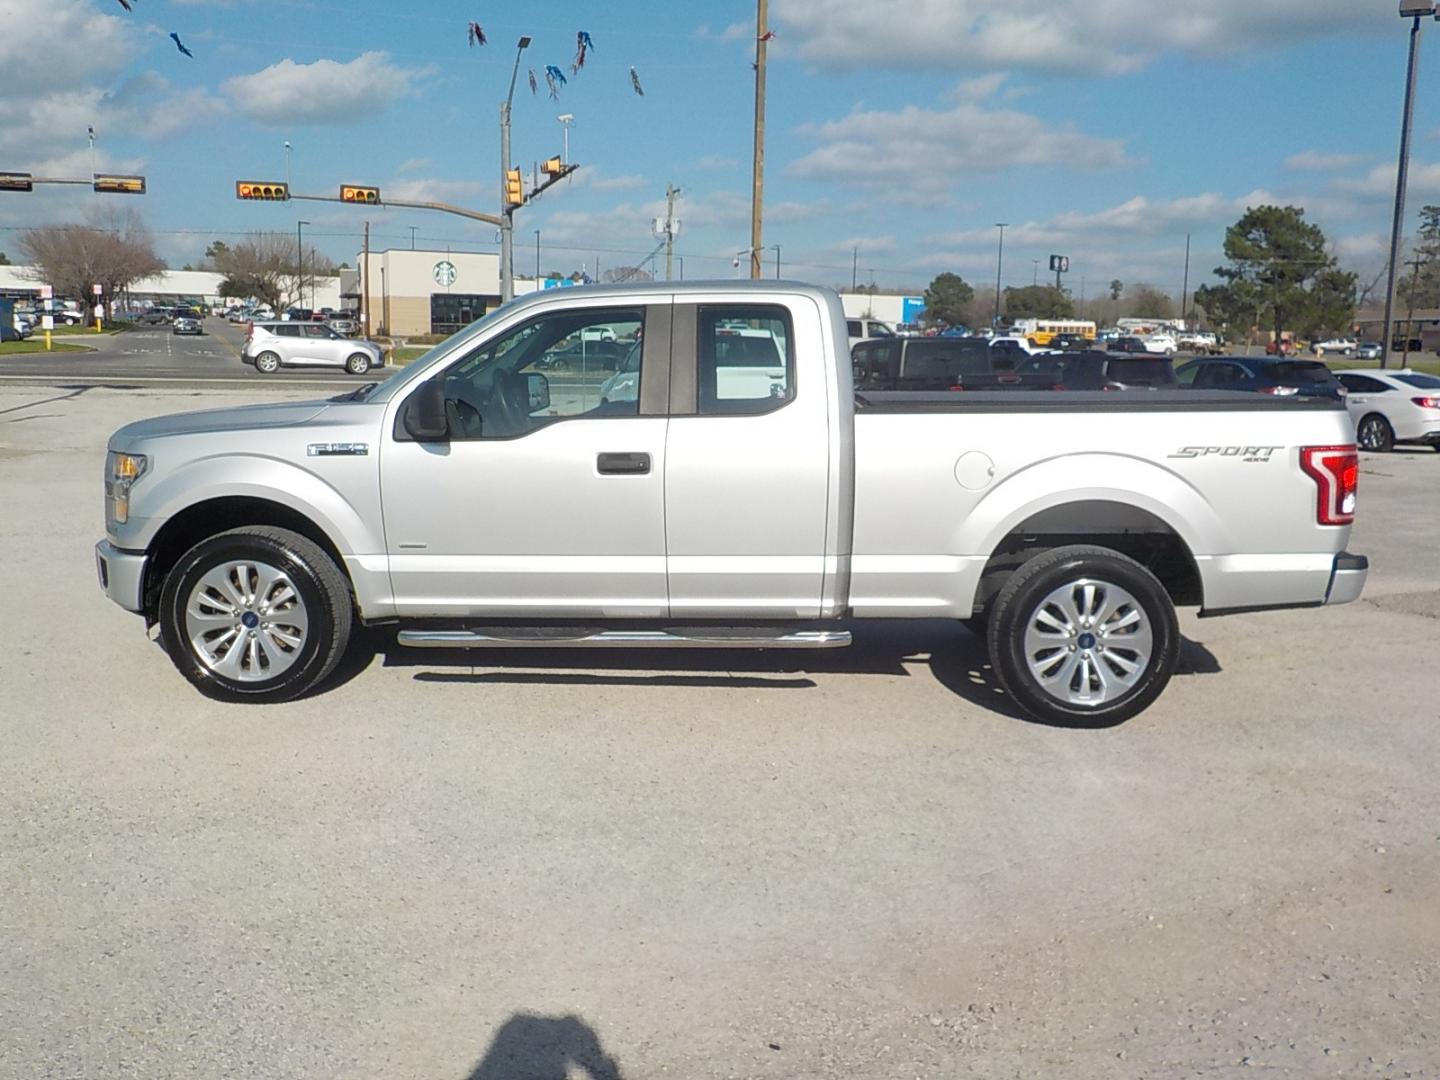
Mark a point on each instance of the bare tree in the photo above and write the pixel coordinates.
(113, 252)
(263, 267)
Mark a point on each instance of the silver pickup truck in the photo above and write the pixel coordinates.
(689, 466)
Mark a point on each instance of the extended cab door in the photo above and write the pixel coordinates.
(546, 498)
(748, 459)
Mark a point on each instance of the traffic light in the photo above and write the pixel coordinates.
(268, 190)
(119, 185)
(514, 188)
(16, 181)
(352, 193)
(553, 167)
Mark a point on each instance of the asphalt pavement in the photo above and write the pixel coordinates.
(851, 864)
(155, 356)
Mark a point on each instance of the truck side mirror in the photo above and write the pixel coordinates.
(537, 387)
(425, 418)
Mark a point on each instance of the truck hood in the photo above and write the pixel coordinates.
(243, 418)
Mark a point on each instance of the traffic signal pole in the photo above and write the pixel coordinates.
(507, 215)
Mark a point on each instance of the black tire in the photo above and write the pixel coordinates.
(1374, 433)
(267, 363)
(357, 363)
(321, 588)
(1018, 604)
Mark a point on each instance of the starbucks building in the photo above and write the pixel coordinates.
(411, 293)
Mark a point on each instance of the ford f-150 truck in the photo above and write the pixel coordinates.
(731, 491)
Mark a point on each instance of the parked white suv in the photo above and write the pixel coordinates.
(273, 345)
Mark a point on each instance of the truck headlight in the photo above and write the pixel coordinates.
(121, 472)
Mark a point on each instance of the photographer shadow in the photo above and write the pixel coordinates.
(532, 1047)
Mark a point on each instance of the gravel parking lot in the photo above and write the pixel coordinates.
(851, 864)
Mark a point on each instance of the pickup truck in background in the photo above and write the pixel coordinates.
(733, 491)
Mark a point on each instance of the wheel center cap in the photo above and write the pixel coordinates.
(1087, 641)
(249, 620)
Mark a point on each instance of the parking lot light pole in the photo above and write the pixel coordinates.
(300, 262)
(1414, 10)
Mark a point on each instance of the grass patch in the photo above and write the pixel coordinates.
(37, 345)
(401, 357)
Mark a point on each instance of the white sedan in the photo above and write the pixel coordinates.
(1391, 407)
(1334, 347)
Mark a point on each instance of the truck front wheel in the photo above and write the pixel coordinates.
(1083, 637)
(255, 615)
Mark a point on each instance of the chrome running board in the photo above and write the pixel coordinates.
(564, 637)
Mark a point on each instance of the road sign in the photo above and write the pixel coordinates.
(47, 292)
(445, 273)
(16, 181)
(97, 290)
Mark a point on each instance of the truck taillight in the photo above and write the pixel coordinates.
(1336, 472)
(1427, 402)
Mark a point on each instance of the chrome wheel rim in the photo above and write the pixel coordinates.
(245, 620)
(1370, 435)
(1088, 643)
(358, 365)
(267, 362)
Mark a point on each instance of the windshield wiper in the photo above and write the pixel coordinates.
(357, 395)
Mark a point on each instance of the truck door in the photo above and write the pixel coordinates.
(546, 498)
(747, 459)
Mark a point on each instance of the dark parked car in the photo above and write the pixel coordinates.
(1281, 376)
(1128, 345)
(936, 363)
(1095, 370)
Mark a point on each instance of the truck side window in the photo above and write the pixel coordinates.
(746, 359)
(563, 365)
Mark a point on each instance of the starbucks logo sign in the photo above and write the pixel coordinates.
(445, 273)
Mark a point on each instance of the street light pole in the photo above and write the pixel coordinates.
(537, 258)
(999, 262)
(507, 212)
(1418, 9)
(300, 261)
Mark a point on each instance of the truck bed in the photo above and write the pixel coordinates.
(1024, 399)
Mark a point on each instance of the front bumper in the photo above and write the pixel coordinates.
(122, 575)
(1347, 579)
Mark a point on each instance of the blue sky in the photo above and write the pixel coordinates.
(905, 129)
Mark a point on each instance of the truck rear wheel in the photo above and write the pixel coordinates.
(255, 615)
(1083, 637)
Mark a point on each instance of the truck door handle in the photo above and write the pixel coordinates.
(623, 464)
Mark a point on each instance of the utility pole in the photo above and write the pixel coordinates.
(507, 212)
(670, 192)
(412, 237)
(777, 262)
(537, 258)
(999, 262)
(365, 286)
(762, 40)
(1402, 175)
(1035, 273)
(854, 267)
(1185, 289)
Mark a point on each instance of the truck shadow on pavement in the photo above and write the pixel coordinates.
(531, 1047)
(955, 658)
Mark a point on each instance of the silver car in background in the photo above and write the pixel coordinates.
(273, 345)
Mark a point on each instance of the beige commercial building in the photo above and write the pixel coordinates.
(411, 293)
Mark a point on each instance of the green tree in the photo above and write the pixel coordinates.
(1421, 286)
(1148, 302)
(1279, 274)
(948, 300)
(1038, 302)
(1116, 288)
(4, 259)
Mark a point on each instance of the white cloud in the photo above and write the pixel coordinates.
(1424, 179)
(968, 138)
(435, 190)
(1316, 161)
(51, 45)
(618, 183)
(325, 92)
(1101, 37)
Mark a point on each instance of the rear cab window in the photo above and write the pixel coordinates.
(746, 356)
